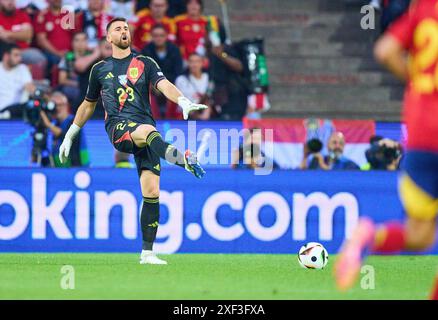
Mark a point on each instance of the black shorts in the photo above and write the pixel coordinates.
(145, 158)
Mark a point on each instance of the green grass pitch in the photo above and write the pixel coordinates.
(205, 276)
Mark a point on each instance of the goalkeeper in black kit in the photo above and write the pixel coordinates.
(123, 82)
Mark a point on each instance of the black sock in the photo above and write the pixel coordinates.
(164, 150)
(150, 214)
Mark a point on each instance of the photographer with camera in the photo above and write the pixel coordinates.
(249, 155)
(383, 154)
(62, 119)
(335, 160)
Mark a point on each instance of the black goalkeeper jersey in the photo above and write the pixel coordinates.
(124, 86)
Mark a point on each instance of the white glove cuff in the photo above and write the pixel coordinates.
(183, 102)
(73, 131)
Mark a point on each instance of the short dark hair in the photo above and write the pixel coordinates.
(150, 1)
(159, 26)
(79, 33)
(115, 20)
(9, 47)
(76, 34)
(196, 54)
(375, 139)
(201, 3)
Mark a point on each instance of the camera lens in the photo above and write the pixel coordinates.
(51, 106)
(314, 145)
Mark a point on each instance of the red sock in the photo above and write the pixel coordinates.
(434, 295)
(390, 238)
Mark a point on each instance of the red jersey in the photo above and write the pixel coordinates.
(50, 24)
(190, 34)
(143, 28)
(16, 22)
(417, 32)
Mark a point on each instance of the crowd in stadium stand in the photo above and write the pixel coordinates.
(59, 41)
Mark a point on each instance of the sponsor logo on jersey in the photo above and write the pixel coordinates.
(123, 79)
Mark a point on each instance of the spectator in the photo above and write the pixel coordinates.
(250, 154)
(77, 5)
(194, 85)
(175, 8)
(16, 27)
(145, 24)
(32, 8)
(16, 85)
(230, 94)
(334, 160)
(373, 140)
(168, 57)
(68, 77)
(165, 53)
(383, 154)
(192, 29)
(123, 8)
(93, 22)
(62, 121)
(53, 30)
(37, 4)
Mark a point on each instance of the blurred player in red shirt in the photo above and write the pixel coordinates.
(54, 31)
(409, 49)
(156, 15)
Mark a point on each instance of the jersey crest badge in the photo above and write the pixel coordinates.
(135, 70)
(133, 73)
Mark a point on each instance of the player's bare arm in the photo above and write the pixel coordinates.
(389, 52)
(84, 113)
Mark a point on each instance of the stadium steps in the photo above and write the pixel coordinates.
(335, 77)
(320, 61)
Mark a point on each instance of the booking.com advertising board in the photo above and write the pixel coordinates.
(226, 212)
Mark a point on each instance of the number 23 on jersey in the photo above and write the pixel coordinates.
(125, 94)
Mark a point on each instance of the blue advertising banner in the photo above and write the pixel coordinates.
(16, 140)
(229, 211)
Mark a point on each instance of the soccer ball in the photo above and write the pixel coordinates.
(313, 255)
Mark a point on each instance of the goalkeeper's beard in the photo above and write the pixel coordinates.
(119, 44)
